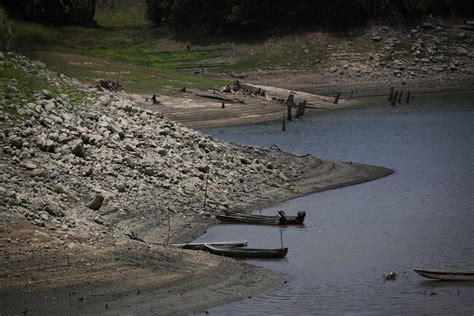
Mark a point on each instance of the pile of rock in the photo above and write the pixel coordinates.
(431, 49)
(101, 162)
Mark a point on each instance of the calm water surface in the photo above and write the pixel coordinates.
(421, 216)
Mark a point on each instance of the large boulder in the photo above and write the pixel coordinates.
(59, 12)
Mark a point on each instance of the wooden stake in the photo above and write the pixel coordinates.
(394, 99)
(283, 124)
(390, 95)
(281, 238)
(400, 96)
(336, 100)
(408, 96)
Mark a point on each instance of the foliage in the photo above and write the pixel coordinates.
(60, 12)
(5, 31)
(248, 15)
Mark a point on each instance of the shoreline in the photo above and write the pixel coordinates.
(136, 289)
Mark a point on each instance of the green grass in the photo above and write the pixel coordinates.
(130, 18)
(25, 84)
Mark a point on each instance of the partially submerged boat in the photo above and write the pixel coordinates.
(243, 252)
(446, 275)
(201, 246)
(280, 219)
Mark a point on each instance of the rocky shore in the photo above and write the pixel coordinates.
(83, 168)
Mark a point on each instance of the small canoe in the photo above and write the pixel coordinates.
(280, 219)
(243, 252)
(200, 246)
(445, 275)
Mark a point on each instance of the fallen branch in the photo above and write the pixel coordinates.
(275, 147)
(236, 76)
(132, 236)
(215, 97)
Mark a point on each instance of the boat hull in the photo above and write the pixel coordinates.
(201, 246)
(241, 252)
(445, 275)
(260, 219)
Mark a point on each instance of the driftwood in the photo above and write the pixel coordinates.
(275, 147)
(109, 85)
(132, 236)
(216, 97)
(236, 76)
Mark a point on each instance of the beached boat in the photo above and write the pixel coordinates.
(200, 246)
(445, 275)
(243, 252)
(280, 219)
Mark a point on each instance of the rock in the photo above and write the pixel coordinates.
(53, 209)
(97, 202)
(46, 94)
(461, 51)
(203, 168)
(99, 220)
(78, 149)
(376, 38)
(130, 147)
(39, 173)
(470, 23)
(121, 187)
(29, 165)
(59, 188)
(17, 142)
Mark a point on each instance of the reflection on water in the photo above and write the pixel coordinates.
(421, 216)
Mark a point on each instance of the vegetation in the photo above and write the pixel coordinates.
(5, 31)
(246, 15)
(59, 12)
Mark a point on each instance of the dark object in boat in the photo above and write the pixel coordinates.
(445, 275)
(201, 246)
(243, 252)
(281, 219)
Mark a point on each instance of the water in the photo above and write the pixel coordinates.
(421, 216)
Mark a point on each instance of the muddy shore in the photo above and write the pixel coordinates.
(79, 168)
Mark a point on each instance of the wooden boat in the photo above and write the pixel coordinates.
(243, 252)
(445, 275)
(200, 246)
(280, 219)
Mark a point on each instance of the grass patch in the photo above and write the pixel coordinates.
(134, 78)
(28, 35)
(17, 85)
(131, 18)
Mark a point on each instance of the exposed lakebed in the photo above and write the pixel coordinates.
(421, 216)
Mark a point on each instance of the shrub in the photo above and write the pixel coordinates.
(5, 31)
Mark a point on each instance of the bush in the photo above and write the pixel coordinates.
(5, 31)
(248, 15)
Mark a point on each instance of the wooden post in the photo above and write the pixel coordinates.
(394, 99)
(283, 124)
(408, 96)
(352, 94)
(223, 105)
(400, 96)
(288, 112)
(390, 95)
(205, 192)
(303, 107)
(336, 100)
(298, 110)
(281, 238)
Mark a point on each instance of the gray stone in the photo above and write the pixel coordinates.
(97, 202)
(29, 165)
(78, 149)
(59, 188)
(39, 173)
(203, 168)
(17, 142)
(46, 94)
(121, 187)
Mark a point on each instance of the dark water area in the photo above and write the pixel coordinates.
(419, 217)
